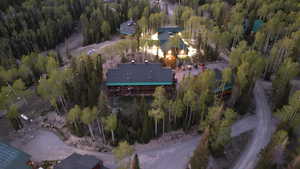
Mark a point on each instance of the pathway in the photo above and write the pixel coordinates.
(262, 133)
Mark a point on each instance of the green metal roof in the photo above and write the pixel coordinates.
(226, 87)
(12, 158)
(128, 28)
(140, 84)
(173, 29)
(257, 25)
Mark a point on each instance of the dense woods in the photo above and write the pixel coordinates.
(27, 26)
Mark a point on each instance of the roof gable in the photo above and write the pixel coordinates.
(77, 161)
(172, 29)
(164, 35)
(128, 27)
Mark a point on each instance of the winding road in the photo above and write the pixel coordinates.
(262, 133)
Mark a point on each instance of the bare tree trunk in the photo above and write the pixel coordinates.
(99, 128)
(187, 113)
(163, 126)
(267, 43)
(190, 118)
(112, 136)
(91, 132)
(11, 88)
(103, 133)
(62, 103)
(175, 119)
(234, 96)
(155, 127)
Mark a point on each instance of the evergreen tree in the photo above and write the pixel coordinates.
(201, 155)
(110, 124)
(135, 163)
(88, 117)
(158, 107)
(281, 84)
(121, 152)
(13, 115)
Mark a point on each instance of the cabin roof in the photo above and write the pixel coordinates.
(128, 27)
(173, 29)
(11, 157)
(257, 25)
(164, 35)
(77, 161)
(139, 74)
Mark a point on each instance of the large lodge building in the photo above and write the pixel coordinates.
(139, 79)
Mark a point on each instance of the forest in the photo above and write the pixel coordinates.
(266, 51)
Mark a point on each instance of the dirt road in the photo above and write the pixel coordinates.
(262, 133)
(97, 47)
(174, 156)
(45, 145)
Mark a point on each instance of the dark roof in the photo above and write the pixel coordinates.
(109, 1)
(164, 35)
(257, 25)
(77, 161)
(2, 113)
(165, 46)
(128, 27)
(173, 29)
(139, 74)
(12, 158)
(218, 74)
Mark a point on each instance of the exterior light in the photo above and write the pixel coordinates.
(169, 52)
(169, 57)
(182, 52)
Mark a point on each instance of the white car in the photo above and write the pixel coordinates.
(24, 117)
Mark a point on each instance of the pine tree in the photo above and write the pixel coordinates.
(121, 152)
(279, 140)
(13, 115)
(135, 162)
(287, 71)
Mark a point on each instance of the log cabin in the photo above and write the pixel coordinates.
(139, 79)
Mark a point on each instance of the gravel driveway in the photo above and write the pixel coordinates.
(174, 156)
(45, 145)
(262, 133)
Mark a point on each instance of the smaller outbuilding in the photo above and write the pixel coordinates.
(77, 161)
(257, 25)
(128, 28)
(12, 158)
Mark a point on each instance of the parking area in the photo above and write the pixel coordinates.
(193, 70)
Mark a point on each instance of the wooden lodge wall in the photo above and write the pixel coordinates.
(136, 90)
